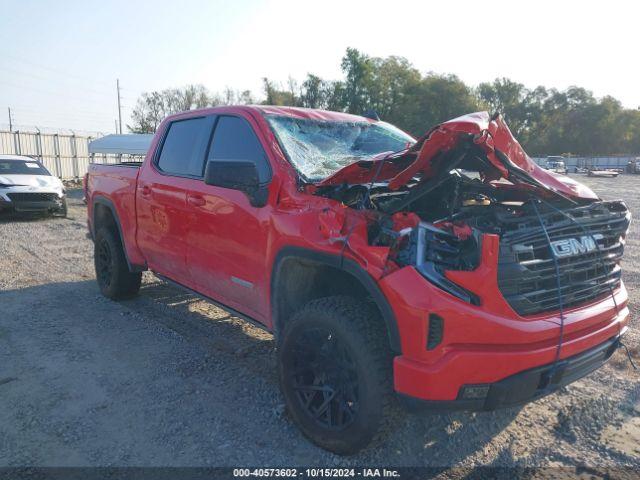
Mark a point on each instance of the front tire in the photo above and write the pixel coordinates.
(112, 272)
(335, 369)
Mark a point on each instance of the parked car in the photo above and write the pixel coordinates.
(633, 166)
(556, 164)
(26, 186)
(382, 269)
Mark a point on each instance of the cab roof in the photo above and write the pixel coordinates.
(310, 113)
(294, 112)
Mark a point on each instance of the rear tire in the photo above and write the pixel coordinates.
(112, 272)
(335, 369)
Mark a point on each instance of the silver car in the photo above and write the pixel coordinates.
(26, 186)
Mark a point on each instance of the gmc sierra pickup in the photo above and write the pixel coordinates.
(448, 272)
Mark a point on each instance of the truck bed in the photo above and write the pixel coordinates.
(114, 186)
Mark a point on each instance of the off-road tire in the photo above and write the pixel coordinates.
(112, 272)
(357, 326)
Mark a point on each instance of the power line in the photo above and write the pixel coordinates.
(36, 89)
(60, 118)
(48, 79)
(65, 73)
(119, 108)
(61, 115)
(61, 109)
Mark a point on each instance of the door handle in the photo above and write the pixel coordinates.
(145, 190)
(196, 200)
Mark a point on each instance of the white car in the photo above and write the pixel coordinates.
(27, 186)
(556, 164)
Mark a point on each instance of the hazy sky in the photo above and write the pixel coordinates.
(59, 60)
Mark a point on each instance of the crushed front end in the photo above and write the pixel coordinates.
(504, 279)
(492, 309)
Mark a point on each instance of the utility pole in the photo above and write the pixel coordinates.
(10, 120)
(119, 108)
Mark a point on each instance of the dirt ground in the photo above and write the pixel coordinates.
(166, 379)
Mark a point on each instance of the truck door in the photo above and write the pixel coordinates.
(228, 237)
(161, 197)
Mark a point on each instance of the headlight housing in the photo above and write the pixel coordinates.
(433, 251)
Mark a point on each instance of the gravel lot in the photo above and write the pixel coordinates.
(167, 380)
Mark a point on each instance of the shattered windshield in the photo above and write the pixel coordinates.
(319, 148)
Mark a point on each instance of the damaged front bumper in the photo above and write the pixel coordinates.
(32, 202)
(487, 344)
(522, 387)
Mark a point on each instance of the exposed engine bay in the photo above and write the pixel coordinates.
(435, 219)
(451, 208)
(436, 225)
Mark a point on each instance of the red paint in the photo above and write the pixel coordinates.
(212, 240)
(489, 134)
(402, 220)
(459, 229)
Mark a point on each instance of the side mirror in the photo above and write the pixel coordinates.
(237, 175)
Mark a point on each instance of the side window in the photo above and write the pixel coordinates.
(184, 146)
(234, 139)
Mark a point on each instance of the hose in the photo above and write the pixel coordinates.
(558, 286)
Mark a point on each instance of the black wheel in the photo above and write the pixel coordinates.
(112, 272)
(335, 369)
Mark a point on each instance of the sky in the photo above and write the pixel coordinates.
(59, 60)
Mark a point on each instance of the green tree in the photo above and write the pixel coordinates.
(434, 99)
(511, 99)
(152, 107)
(149, 111)
(545, 121)
(358, 70)
(389, 84)
(314, 92)
(275, 95)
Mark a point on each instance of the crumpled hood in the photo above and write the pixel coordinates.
(504, 150)
(42, 181)
(491, 134)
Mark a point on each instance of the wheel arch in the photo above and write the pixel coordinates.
(298, 272)
(104, 212)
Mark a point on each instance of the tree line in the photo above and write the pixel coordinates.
(544, 120)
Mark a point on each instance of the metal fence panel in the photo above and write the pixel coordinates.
(66, 156)
(602, 161)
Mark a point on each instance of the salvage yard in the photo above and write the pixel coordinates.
(166, 379)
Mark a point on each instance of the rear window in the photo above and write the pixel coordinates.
(184, 147)
(22, 167)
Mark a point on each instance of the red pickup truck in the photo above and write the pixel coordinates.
(449, 272)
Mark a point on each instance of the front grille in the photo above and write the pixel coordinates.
(526, 269)
(33, 197)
